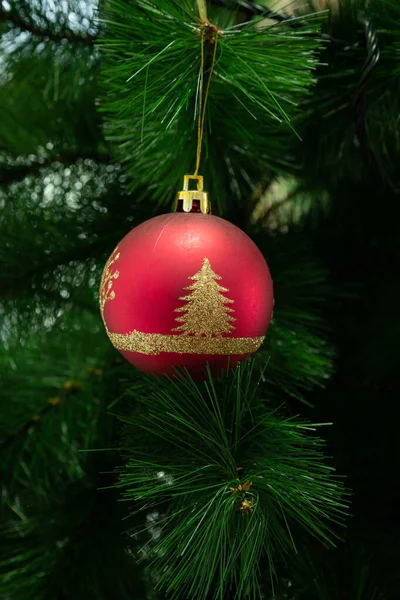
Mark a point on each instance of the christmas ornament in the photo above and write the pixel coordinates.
(186, 289)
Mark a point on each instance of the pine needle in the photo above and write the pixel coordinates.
(230, 476)
(247, 79)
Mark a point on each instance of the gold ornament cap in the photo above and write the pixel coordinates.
(186, 198)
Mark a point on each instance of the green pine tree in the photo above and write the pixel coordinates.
(116, 485)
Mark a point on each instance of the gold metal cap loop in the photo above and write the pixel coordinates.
(187, 196)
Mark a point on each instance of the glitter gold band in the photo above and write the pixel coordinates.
(155, 343)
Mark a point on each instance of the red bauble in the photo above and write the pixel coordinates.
(183, 290)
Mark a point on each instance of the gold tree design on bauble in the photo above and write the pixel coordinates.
(206, 311)
(201, 331)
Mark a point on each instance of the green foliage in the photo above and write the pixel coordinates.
(228, 479)
(348, 571)
(64, 206)
(331, 150)
(150, 77)
(45, 424)
(58, 224)
(297, 347)
(60, 536)
(51, 83)
(69, 549)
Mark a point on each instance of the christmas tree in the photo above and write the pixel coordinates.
(205, 311)
(271, 480)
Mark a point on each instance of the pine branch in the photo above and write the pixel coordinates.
(74, 547)
(71, 388)
(17, 21)
(69, 395)
(229, 479)
(36, 419)
(371, 63)
(14, 174)
(52, 511)
(155, 89)
(251, 9)
(76, 253)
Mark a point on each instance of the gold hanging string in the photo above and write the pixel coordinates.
(203, 102)
(201, 5)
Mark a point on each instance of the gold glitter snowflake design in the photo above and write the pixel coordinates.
(106, 291)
